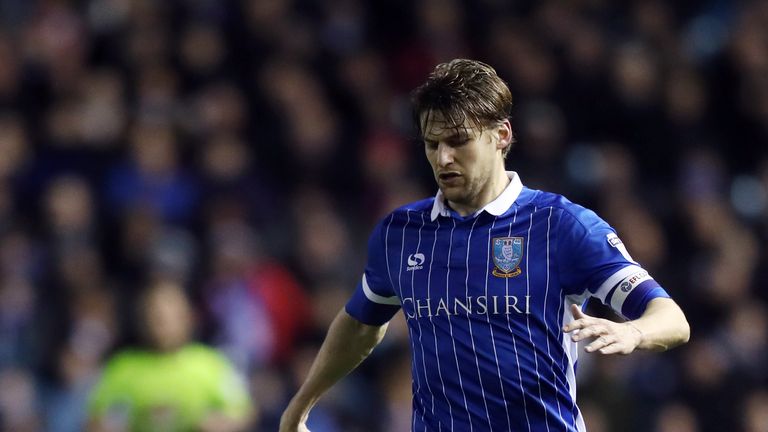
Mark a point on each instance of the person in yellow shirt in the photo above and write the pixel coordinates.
(172, 384)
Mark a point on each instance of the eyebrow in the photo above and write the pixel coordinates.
(447, 137)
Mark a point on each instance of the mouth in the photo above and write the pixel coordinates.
(448, 177)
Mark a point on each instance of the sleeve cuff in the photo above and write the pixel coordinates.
(635, 304)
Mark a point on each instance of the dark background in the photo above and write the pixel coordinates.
(246, 148)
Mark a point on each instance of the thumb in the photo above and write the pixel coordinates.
(577, 313)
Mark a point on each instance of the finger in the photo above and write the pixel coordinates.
(577, 313)
(579, 324)
(581, 319)
(601, 342)
(613, 349)
(590, 331)
(617, 348)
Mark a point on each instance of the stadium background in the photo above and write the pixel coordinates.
(246, 148)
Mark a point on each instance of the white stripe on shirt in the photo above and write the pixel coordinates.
(450, 328)
(434, 330)
(418, 323)
(620, 295)
(528, 319)
(544, 316)
(605, 288)
(386, 251)
(514, 343)
(571, 350)
(372, 296)
(469, 323)
(488, 319)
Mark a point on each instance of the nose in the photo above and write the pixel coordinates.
(444, 155)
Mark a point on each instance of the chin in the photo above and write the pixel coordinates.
(455, 195)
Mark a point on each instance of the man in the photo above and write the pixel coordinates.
(491, 276)
(172, 384)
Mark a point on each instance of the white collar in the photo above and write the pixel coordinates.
(497, 207)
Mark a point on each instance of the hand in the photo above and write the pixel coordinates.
(611, 337)
(291, 421)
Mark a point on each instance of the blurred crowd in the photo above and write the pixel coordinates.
(244, 149)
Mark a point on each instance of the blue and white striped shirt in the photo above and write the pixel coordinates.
(485, 298)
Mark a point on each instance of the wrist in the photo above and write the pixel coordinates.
(301, 405)
(640, 336)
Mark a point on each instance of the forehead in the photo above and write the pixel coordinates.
(435, 126)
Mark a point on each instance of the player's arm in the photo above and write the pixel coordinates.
(346, 345)
(593, 257)
(661, 326)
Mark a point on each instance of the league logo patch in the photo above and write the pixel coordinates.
(507, 254)
(614, 240)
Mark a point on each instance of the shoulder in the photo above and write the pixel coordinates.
(203, 354)
(210, 364)
(401, 217)
(570, 213)
(125, 364)
(408, 213)
(413, 209)
(126, 358)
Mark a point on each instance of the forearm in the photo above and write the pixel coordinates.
(346, 345)
(662, 326)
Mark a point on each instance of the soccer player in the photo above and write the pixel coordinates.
(491, 277)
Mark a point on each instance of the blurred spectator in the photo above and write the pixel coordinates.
(18, 405)
(70, 212)
(676, 418)
(248, 290)
(169, 383)
(79, 327)
(756, 411)
(154, 178)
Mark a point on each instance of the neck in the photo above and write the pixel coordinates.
(490, 191)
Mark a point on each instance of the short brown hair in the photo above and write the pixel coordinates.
(461, 90)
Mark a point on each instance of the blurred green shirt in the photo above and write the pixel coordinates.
(150, 391)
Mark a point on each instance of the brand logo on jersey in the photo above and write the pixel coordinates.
(507, 254)
(415, 261)
(614, 240)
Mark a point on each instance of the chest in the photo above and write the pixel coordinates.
(471, 259)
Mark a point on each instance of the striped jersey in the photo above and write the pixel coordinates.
(485, 298)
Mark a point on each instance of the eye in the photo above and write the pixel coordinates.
(431, 145)
(458, 141)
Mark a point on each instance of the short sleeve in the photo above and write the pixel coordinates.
(109, 394)
(374, 301)
(594, 261)
(230, 394)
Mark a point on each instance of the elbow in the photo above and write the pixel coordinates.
(677, 335)
(685, 332)
(682, 332)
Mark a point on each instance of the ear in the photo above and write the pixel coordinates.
(504, 135)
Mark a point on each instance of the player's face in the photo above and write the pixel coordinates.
(463, 159)
(167, 318)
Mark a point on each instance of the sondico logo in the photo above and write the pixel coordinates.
(415, 261)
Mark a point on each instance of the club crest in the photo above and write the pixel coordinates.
(507, 254)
